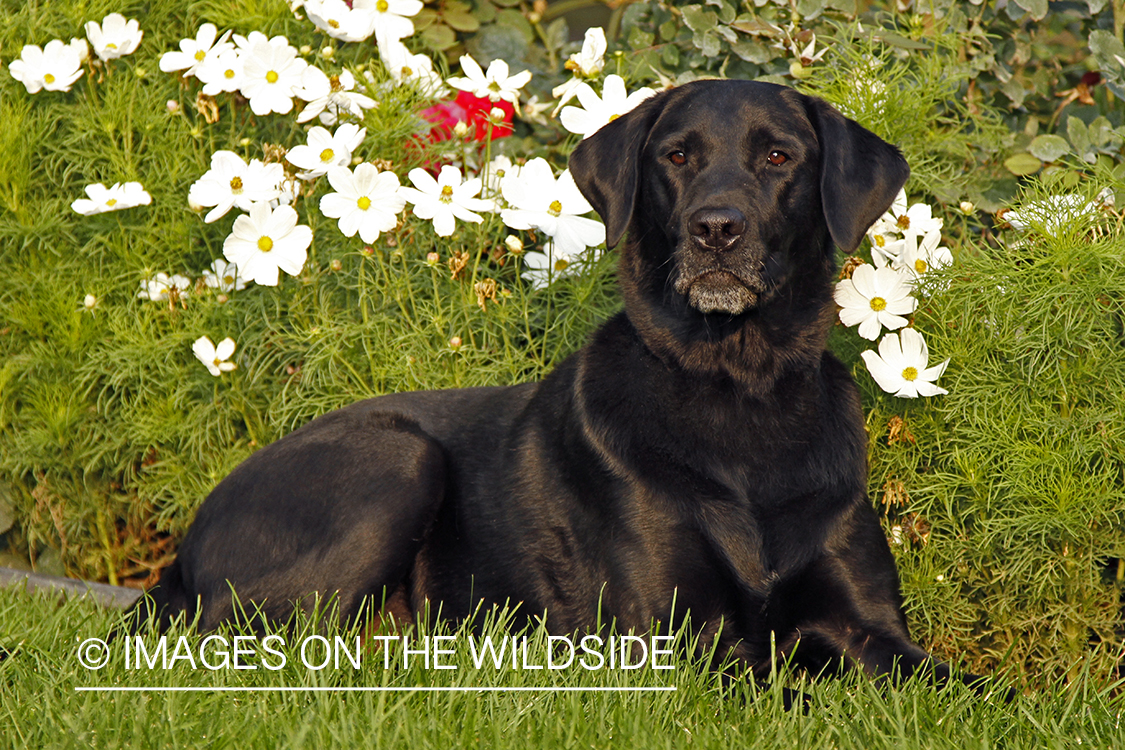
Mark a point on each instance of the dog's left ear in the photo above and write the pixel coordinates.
(860, 174)
(606, 166)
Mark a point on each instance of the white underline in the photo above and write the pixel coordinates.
(422, 689)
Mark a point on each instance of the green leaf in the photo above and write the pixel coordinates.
(485, 12)
(699, 20)
(726, 11)
(439, 37)
(902, 42)
(1037, 8)
(460, 20)
(639, 38)
(499, 42)
(1022, 164)
(1078, 135)
(752, 51)
(668, 30)
(1106, 48)
(558, 33)
(670, 55)
(516, 20)
(809, 9)
(1049, 147)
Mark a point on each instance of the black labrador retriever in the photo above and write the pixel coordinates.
(703, 447)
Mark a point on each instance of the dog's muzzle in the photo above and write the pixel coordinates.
(718, 273)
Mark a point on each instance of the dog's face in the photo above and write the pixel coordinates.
(734, 178)
(733, 192)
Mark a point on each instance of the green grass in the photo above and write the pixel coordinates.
(42, 709)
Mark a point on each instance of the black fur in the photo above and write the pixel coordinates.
(703, 446)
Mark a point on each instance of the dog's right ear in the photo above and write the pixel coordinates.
(606, 166)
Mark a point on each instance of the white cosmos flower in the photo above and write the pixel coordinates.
(494, 85)
(919, 258)
(232, 182)
(267, 240)
(331, 97)
(366, 201)
(874, 298)
(222, 72)
(224, 276)
(54, 67)
(391, 18)
(339, 20)
(541, 268)
(900, 366)
(585, 64)
(193, 52)
(406, 69)
(214, 358)
(115, 36)
(445, 199)
(102, 199)
(494, 174)
(554, 207)
(273, 74)
(325, 150)
(597, 111)
(160, 286)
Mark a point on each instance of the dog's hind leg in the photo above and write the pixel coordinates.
(337, 509)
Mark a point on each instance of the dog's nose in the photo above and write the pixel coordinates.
(717, 228)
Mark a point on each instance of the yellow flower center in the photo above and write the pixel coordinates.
(920, 266)
(326, 155)
(494, 86)
(364, 203)
(407, 72)
(217, 361)
(382, 6)
(904, 222)
(200, 54)
(228, 280)
(272, 76)
(910, 373)
(333, 23)
(228, 73)
(334, 83)
(613, 117)
(561, 264)
(265, 244)
(878, 304)
(446, 194)
(49, 78)
(111, 202)
(880, 240)
(555, 208)
(236, 185)
(111, 45)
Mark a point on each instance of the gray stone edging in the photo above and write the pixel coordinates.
(104, 594)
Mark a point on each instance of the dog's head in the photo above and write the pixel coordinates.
(734, 191)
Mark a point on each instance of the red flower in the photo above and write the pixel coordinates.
(471, 110)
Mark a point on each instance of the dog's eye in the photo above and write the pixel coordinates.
(679, 158)
(777, 158)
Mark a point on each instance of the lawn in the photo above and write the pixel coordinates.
(45, 705)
